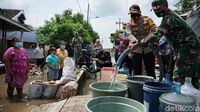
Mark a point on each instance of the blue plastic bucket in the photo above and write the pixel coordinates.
(152, 92)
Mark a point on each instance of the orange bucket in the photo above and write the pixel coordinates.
(106, 74)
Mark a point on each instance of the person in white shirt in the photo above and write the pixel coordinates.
(39, 56)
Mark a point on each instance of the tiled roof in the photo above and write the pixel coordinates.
(9, 13)
(6, 15)
(12, 25)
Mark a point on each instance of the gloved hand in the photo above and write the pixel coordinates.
(141, 42)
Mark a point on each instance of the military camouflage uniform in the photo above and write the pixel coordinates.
(184, 41)
(77, 43)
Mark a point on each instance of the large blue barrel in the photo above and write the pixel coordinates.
(152, 92)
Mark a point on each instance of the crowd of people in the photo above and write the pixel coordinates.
(173, 42)
(89, 57)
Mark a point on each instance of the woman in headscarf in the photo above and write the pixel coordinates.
(97, 46)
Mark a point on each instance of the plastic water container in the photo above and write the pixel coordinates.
(176, 102)
(188, 90)
(123, 70)
(50, 90)
(121, 78)
(114, 104)
(123, 74)
(152, 92)
(106, 74)
(135, 86)
(35, 89)
(167, 78)
(104, 89)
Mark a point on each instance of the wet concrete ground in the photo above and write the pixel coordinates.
(26, 105)
(7, 105)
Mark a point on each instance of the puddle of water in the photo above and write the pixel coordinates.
(13, 106)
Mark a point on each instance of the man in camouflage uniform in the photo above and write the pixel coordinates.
(184, 41)
(77, 43)
(141, 26)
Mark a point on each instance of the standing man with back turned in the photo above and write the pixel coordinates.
(77, 42)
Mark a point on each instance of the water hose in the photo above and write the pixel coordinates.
(119, 62)
(125, 53)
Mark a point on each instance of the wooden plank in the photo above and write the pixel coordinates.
(49, 107)
(76, 104)
(80, 76)
(53, 107)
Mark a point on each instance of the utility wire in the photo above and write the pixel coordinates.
(79, 6)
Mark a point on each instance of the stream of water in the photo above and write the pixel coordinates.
(117, 66)
(112, 84)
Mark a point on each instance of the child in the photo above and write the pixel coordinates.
(52, 63)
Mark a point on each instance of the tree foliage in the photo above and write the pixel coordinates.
(63, 26)
(185, 5)
(114, 35)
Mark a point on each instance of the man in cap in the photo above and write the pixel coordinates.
(184, 41)
(77, 42)
(139, 27)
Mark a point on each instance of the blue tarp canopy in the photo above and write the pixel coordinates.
(26, 37)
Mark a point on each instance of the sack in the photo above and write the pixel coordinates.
(50, 91)
(68, 71)
(68, 90)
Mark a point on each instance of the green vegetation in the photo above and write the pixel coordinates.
(184, 6)
(63, 27)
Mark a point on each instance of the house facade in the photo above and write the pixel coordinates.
(11, 20)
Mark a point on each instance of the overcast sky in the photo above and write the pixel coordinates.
(108, 11)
